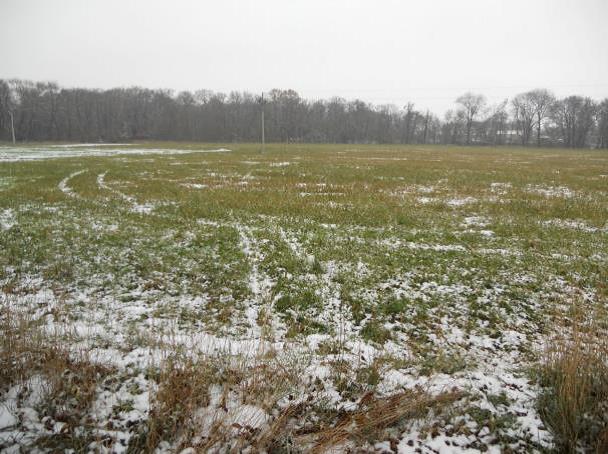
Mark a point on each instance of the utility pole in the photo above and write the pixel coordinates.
(12, 126)
(263, 138)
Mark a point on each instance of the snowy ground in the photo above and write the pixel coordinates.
(357, 271)
(13, 153)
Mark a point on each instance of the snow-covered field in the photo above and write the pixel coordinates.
(213, 298)
(13, 153)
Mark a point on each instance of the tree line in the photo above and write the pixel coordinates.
(44, 111)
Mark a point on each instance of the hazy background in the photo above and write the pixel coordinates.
(380, 51)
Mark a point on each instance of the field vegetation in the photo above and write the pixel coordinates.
(209, 297)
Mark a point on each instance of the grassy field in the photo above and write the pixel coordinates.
(164, 296)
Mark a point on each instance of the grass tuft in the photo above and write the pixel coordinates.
(378, 414)
(574, 374)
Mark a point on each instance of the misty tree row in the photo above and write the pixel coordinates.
(37, 111)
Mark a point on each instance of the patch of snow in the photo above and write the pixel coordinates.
(136, 207)
(457, 202)
(144, 208)
(495, 251)
(500, 188)
(88, 145)
(550, 191)
(7, 219)
(208, 222)
(573, 224)
(12, 154)
(395, 243)
(7, 418)
(425, 189)
(195, 185)
(63, 184)
(427, 200)
(308, 194)
(475, 221)
(259, 283)
(247, 415)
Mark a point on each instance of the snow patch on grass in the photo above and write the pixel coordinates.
(145, 208)
(195, 185)
(550, 191)
(500, 188)
(458, 202)
(280, 164)
(574, 224)
(396, 243)
(7, 219)
(13, 154)
(63, 184)
(427, 200)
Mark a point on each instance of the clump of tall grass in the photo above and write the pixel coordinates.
(574, 375)
(194, 404)
(375, 415)
(66, 380)
(183, 388)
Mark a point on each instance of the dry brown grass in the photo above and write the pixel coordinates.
(574, 373)
(67, 379)
(183, 405)
(377, 414)
(184, 389)
(27, 349)
(22, 343)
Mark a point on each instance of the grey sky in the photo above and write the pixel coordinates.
(381, 51)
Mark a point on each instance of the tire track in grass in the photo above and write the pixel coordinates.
(334, 313)
(135, 207)
(66, 189)
(494, 375)
(294, 246)
(260, 284)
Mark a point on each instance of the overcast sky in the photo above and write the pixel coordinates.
(381, 51)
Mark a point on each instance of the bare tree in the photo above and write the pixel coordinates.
(541, 101)
(45, 111)
(472, 105)
(427, 118)
(575, 118)
(602, 124)
(523, 115)
(497, 123)
(407, 120)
